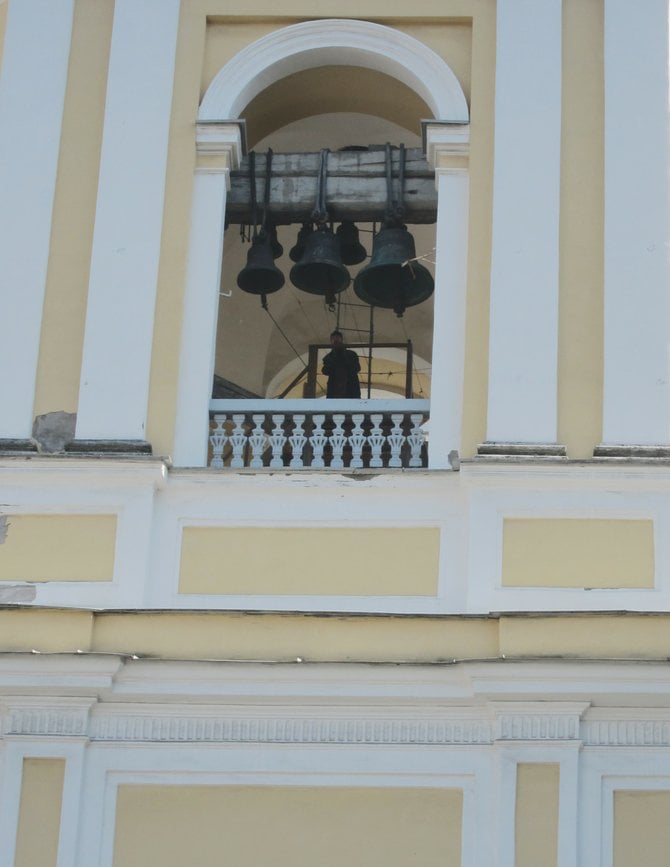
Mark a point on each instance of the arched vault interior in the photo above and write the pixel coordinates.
(260, 351)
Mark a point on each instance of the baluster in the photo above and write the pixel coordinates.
(277, 441)
(257, 441)
(338, 439)
(297, 440)
(318, 439)
(415, 438)
(218, 439)
(376, 439)
(238, 440)
(396, 440)
(357, 441)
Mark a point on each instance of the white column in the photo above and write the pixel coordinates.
(116, 361)
(201, 300)
(523, 344)
(636, 405)
(449, 310)
(32, 96)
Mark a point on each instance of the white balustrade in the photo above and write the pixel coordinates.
(318, 434)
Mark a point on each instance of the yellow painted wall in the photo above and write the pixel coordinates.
(286, 637)
(50, 631)
(641, 829)
(536, 818)
(283, 637)
(626, 636)
(580, 362)
(567, 552)
(74, 210)
(58, 548)
(39, 813)
(303, 561)
(287, 826)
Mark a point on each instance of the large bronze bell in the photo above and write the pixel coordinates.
(320, 271)
(351, 249)
(392, 279)
(260, 276)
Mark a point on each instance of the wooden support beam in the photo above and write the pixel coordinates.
(356, 188)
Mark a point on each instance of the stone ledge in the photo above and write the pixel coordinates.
(521, 450)
(13, 446)
(658, 452)
(109, 447)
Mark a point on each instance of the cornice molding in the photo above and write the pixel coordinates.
(122, 723)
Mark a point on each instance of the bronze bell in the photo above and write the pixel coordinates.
(277, 249)
(260, 276)
(392, 279)
(298, 250)
(351, 248)
(320, 271)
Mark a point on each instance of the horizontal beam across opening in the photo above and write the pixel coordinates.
(356, 187)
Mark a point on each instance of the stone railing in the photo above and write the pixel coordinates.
(318, 434)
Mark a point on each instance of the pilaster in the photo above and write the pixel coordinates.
(219, 148)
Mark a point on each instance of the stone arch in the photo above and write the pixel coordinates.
(338, 42)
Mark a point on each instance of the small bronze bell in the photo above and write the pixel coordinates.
(298, 250)
(351, 249)
(277, 249)
(260, 276)
(320, 271)
(393, 279)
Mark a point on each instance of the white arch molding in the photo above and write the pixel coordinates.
(334, 42)
(281, 53)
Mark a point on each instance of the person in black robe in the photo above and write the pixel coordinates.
(341, 366)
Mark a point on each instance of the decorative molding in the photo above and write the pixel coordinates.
(225, 139)
(445, 139)
(626, 733)
(288, 729)
(339, 42)
(56, 716)
(536, 722)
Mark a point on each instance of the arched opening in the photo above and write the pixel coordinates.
(333, 84)
(254, 344)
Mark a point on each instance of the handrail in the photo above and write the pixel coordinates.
(312, 405)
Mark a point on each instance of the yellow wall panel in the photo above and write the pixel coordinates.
(58, 548)
(284, 637)
(39, 813)
(536, 820)
(62, 337)
(49, 631)
(287, 826)
(568, 552)
(305, 561)
(618, 636)
(641, 829)
(580, 331)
